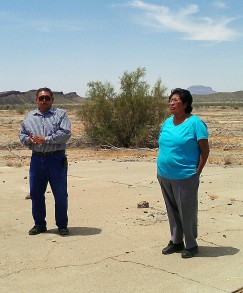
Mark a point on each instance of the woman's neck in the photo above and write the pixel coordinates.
(180, 118)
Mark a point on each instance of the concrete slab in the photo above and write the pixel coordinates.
(113, 245)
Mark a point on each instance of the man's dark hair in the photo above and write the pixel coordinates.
(45, 89)
(185, 96)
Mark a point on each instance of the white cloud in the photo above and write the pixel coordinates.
(52, 25)
(43, 25)
(220, 4)
(186, 21)
(48, 26)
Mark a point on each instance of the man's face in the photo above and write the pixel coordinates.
(44, 101)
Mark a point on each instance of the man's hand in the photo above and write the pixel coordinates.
(38, 139)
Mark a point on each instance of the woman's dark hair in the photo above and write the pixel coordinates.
(44, 89)
(185, 96)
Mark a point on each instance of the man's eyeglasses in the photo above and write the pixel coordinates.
(46, 98)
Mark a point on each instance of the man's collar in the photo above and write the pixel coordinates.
(38, 112)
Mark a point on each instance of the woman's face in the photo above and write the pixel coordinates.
(176, 105)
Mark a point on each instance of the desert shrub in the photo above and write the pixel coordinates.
(131, 118)
(13, 163)
(20, 110)
(228, 160)
(96, 112)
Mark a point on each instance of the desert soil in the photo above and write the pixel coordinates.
(225, 130)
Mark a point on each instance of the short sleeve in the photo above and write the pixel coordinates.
(201, 129)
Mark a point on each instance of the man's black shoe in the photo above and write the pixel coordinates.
(172, 248)
(188, 253)
(63, 231)
(37, 230)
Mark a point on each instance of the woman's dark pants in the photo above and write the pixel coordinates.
(181, 200)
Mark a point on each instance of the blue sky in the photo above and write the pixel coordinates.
(64, 44)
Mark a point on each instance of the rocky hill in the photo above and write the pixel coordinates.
(28, 98)
(220, 98)
(21, 98)
(201, 90)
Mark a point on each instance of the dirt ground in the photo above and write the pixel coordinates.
(225, 129)
(114, 246)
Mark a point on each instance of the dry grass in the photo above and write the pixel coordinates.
(15, 163)
(225, 129)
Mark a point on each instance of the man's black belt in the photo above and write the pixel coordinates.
(49, 153)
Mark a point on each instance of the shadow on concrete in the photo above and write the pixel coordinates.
(209, 251)
(76, 231)
(85, 231)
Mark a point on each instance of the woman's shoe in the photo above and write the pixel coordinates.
(188, 253)
(172, 247)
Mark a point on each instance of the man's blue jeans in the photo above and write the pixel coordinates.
(52, 169)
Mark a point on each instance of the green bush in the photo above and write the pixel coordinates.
(20, 110)
(131, 118)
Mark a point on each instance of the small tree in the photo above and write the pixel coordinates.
(96, 113)
(131, 118)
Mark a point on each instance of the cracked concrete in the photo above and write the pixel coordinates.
(114, 246)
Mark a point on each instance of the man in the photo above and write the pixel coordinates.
(45, 131)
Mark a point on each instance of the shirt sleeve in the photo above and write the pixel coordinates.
(24, 135)
(201, 130)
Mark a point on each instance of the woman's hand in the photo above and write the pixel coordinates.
(204, 152)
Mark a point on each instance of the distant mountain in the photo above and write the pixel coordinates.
(201, 90)
(21, 98)
(28, 98)
(220, 98)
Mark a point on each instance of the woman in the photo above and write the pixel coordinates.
(183, 152)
